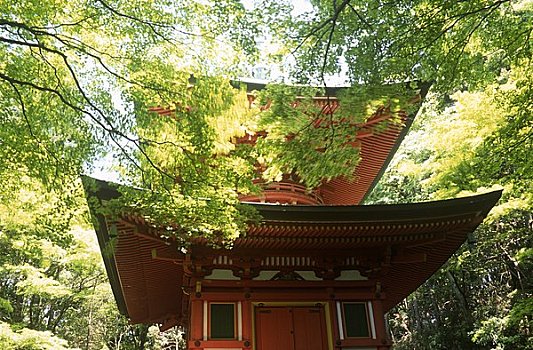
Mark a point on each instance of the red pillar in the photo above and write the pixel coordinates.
(247, 315)
(379, 321)
(197, 326)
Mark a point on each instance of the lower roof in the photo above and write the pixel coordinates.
(411, 242)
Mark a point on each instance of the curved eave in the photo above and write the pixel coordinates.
(376, 153)
(376, 213)
(424, 88)
(482, 203)
(136, 278)
(99, 191)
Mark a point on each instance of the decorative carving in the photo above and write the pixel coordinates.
(287, 276)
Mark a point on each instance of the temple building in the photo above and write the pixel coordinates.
(319, 272)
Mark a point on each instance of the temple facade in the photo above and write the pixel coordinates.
(319, 272)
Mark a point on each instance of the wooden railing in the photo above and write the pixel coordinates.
(285, 192)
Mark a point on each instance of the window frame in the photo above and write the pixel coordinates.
(367, 319)
(210, 320)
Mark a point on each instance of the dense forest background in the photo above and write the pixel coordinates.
(482, 298)
(77, 79)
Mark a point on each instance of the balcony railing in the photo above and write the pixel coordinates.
(285, 192)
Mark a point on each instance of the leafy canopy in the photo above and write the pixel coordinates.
(461, 44)
(214, 144)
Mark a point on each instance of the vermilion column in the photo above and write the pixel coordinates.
(247, 321)
(379, 321)
(196, 331)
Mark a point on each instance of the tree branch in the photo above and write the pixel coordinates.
(361, 18)
(332, 19)
(149, 24)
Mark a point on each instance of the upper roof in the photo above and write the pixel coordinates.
(376, 151)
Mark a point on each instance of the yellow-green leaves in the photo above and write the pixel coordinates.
(207, 144)
(306, 140)
(36, 283)
(29, 339)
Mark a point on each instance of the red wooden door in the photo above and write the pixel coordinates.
(272, 329)
(290, 328)
(309, 328)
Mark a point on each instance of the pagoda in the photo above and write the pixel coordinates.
(319, 272)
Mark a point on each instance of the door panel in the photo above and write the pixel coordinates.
(290, 328)
(309, 329)
(272, 327)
